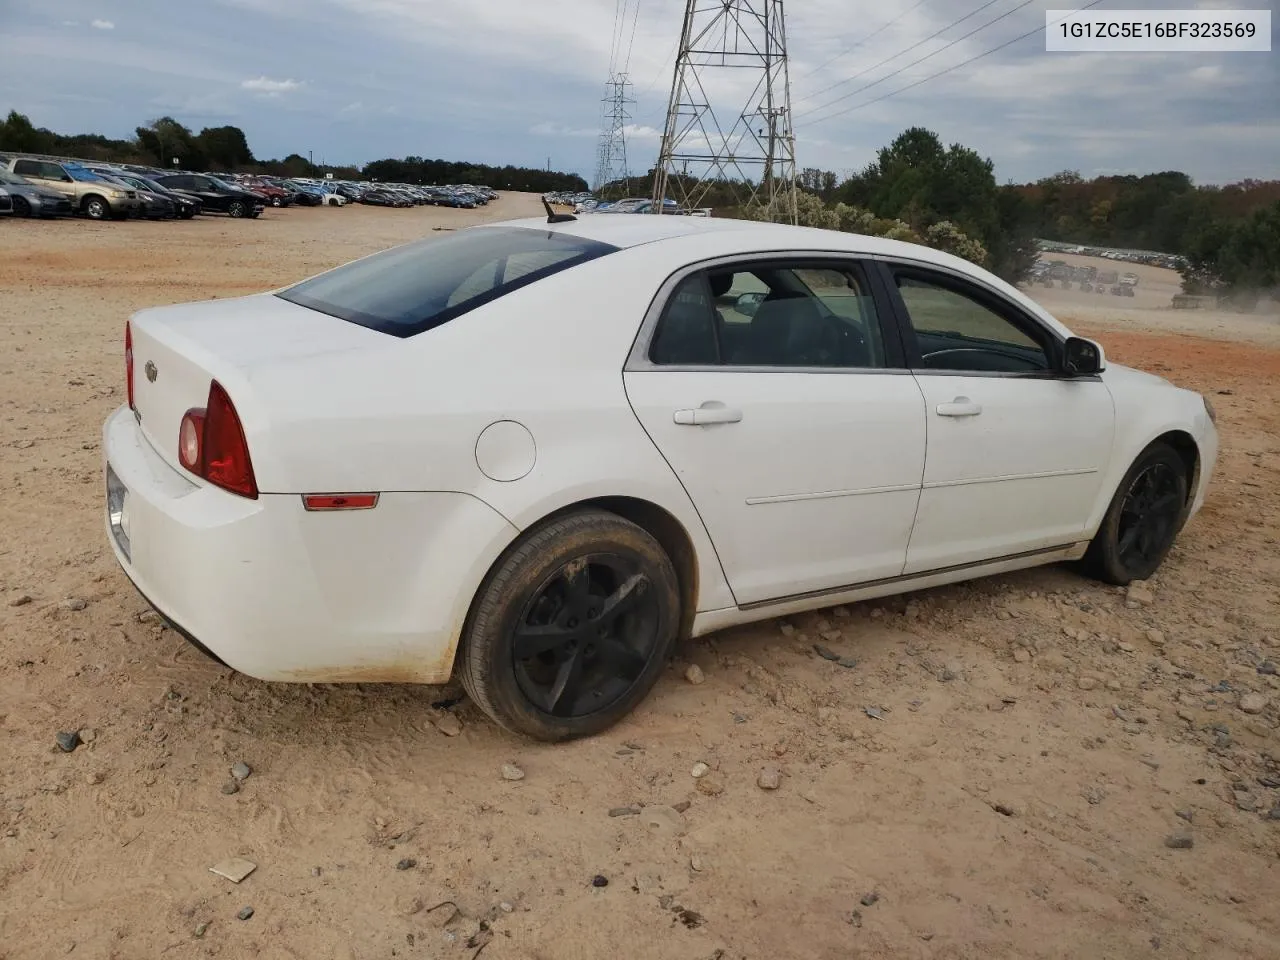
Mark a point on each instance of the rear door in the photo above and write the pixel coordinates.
(1016, 449)
(773, 392)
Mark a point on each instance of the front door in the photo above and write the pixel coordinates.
(1015, 451)
(774, 394)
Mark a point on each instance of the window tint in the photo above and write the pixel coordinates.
(421, 285)
(773, 315)
(27, 168)
(957, 331)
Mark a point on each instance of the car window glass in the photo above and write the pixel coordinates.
(412, 288)
(27, 168)
(201, 183)
(956, 331)
(772, 315)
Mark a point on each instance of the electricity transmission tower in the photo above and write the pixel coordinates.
(611, 162)
(731, 64)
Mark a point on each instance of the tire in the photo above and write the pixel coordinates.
(237, 208)
(1108, 558)
(577, 563)
(96, 208)
(275, 202)
(21, 208)
(186, 213)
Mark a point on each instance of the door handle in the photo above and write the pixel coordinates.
(959, 407)
(705, 414)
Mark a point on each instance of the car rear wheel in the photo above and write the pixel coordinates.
(237, 208)
(95, 208)
(1143, 519)
(572, 628)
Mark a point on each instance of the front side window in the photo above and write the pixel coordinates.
(957, 331)
(771, 315)
(420, 285)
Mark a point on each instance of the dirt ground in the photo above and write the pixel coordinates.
(1033, 741)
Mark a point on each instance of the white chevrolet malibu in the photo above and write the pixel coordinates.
(538, 453)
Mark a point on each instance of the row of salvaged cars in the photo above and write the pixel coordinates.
(33, 186)
(587, 203)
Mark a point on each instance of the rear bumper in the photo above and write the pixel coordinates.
(281, 594)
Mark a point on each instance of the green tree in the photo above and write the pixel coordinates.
(165, 139)
(225, 148)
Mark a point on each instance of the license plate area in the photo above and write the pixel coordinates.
(118, 511)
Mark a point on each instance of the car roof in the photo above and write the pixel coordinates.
(631, 230)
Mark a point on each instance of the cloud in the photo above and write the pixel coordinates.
(269, 87)
(549, 128)
(102, 25)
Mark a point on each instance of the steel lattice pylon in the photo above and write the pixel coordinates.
(732, 53)
(611, 163)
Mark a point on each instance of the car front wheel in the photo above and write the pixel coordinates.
(572, 628)
(1143, 519)
(237, 208)
(95, 208)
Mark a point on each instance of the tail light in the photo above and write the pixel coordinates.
(211, 445)
(128, 362)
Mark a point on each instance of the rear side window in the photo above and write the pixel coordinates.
(412, 288)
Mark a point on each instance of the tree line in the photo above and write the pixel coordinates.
(215, 149)
(916, 188)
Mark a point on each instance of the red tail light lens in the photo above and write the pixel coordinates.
(128, 362)
(211, 444)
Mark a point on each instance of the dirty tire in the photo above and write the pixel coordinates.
(488, 666)
(1105, 559)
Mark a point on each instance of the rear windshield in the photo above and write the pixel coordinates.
(412, 288)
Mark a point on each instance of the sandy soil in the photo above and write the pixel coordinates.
(1038, 737)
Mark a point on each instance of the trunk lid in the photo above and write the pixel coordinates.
(178, 350)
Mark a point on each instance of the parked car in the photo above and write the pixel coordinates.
(29, 200)
(214, 194)
(88, 193)
(276, 196)
(152, 205)
(6, 202)
(416, 494)
(186, 206)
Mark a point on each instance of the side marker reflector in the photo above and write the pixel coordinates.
(339, 501)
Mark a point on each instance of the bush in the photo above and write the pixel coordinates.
(812, 212)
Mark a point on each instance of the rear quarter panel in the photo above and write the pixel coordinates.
(548, 356)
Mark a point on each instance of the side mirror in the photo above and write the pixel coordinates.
(1082, 358)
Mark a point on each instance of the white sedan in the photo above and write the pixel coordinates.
(538, 453)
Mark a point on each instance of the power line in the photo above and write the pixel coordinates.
(635, 21)
(918, 60)
(871, 35)
(874, 66)
(962, 63)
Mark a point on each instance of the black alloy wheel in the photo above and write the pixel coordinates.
(1144, 518)
(572, 627)
(1149, 515)
(586, 635)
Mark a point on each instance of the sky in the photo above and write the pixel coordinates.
(516, 81)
